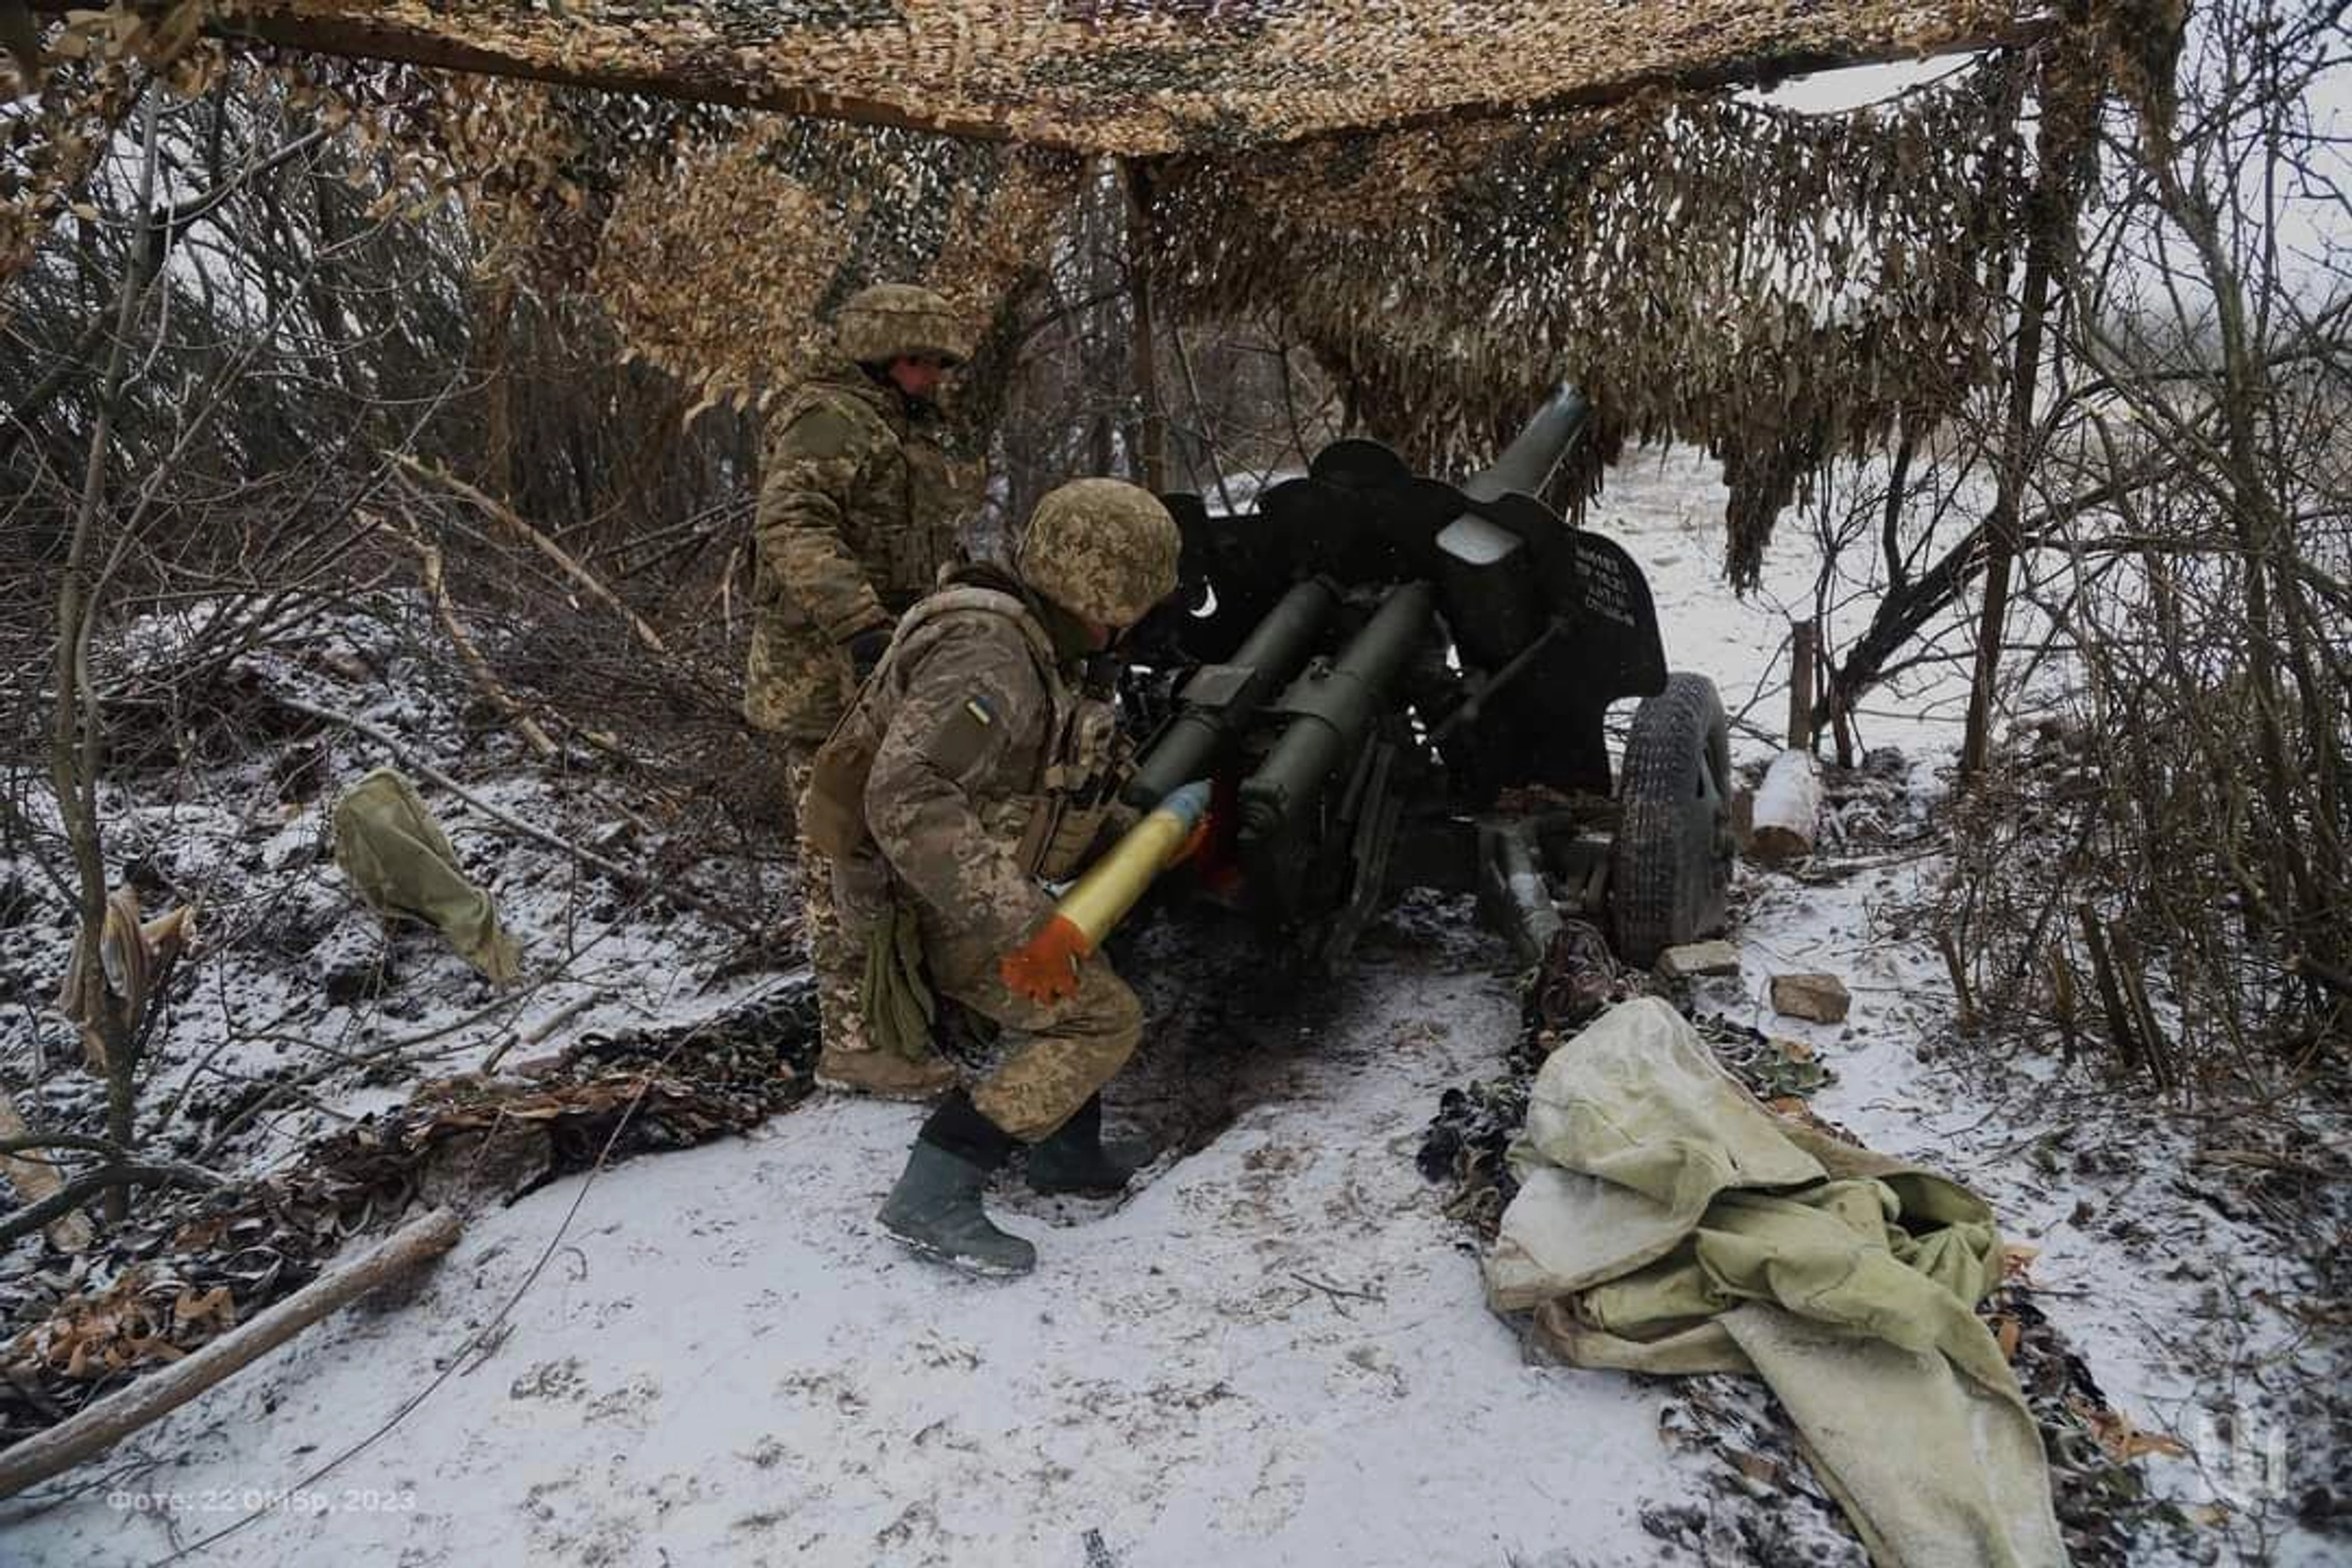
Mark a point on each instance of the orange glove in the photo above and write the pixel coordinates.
(1045, 968)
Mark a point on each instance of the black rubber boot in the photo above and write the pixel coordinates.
(1074, 1160)
(935, 1207)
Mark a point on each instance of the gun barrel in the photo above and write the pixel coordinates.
(1331, 709)
(1527, 463)
(1272, 654)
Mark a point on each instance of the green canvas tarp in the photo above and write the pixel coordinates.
(1667, 1223)
(397, 856)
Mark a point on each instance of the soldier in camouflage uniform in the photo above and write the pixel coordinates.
(858, 510)
(991, 773)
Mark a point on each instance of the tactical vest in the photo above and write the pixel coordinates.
(903, 531)
(1050, 823)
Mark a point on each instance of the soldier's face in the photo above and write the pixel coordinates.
(919, 375)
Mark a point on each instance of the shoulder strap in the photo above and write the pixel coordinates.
(988, 601)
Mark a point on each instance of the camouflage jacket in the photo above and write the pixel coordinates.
(859, 506)
(994, 771)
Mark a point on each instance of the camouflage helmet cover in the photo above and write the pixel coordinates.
(878, 323)
(1103, 549)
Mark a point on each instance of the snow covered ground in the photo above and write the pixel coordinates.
(1274, 1351)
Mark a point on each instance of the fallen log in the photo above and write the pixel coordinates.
(1787, 810)
(106, 1423)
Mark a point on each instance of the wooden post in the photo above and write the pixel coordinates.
(1151, 457)
(2110, 995)
(1962, 996)
(2050, 212)
(1804, 653)
(2131, 971)
(115, 1417)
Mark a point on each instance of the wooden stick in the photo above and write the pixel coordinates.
(109, 1178)
(429, 557)
(2133, 970)
(1804, 654)
(2110, 996)
(2063, 1004)
(545, 545)
(540, 1031)
(1959, 971)
(106, 1423)
(30, 1142)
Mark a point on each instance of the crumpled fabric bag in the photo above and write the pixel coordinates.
(1669, 1223)
(898, 1000)
(397, 856)
(136, 954)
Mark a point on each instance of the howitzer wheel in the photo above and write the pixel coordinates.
(1669, 866)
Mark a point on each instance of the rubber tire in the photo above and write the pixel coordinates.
(1670, 865)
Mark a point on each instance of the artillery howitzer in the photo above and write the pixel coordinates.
(1371, 664)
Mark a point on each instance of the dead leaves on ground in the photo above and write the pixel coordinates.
(2122, 1438)
(139, 1320)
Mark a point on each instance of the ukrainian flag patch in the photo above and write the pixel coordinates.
(966, 736)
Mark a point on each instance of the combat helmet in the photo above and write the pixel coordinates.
(879, 323)
(1103, 549)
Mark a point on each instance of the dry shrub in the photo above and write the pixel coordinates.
(2186, 803)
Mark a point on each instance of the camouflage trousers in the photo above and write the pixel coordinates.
(1052, 1057)
(840, 1011)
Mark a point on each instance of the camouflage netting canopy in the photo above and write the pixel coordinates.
(1774, 286)
(1451, 205)
(1125, 76)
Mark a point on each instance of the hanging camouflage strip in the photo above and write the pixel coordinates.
(723, 259)
(88, 74)
(1776, 285)
(718, 241)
